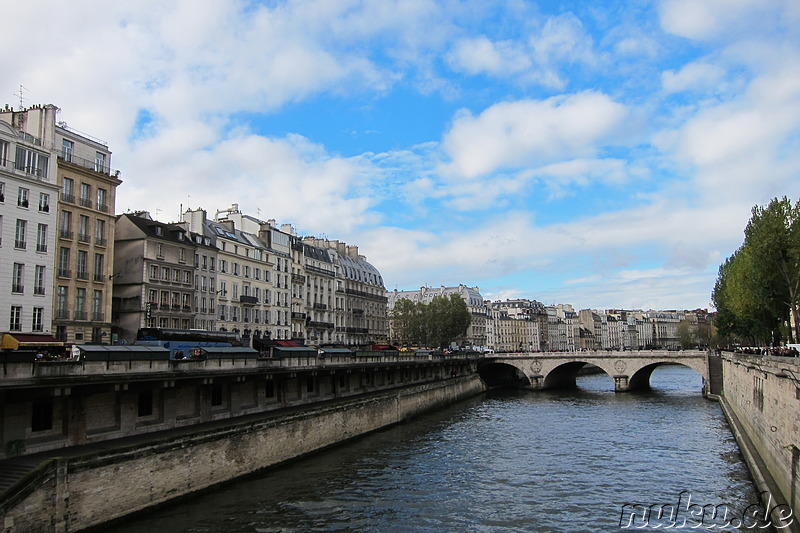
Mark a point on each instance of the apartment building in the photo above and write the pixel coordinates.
(85, 244)
(154, 276)
(28, 196)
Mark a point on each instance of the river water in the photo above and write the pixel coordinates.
(510, 461)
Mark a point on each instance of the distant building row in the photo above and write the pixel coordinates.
(523, 325)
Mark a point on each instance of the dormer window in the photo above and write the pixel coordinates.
(159, 231)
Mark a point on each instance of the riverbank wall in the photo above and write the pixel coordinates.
(761, 399)
(84, 492)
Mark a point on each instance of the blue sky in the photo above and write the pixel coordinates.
(604, 154)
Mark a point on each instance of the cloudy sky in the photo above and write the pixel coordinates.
(604, 154)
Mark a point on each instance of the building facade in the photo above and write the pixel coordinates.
(28, 197)
(85, 244)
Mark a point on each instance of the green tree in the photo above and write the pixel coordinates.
(685, 334)
(758, 287)
(437, 324)
(772, 238)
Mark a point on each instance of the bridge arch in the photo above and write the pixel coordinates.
(500, 374)
(565, 375)
(640, 379)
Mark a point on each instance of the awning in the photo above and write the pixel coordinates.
(16, 341)
(288, 344)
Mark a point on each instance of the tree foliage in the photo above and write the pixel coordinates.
(437, 324)
(758, 287)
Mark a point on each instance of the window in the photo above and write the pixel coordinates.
(18, 278)
(42, 414)
(38, 280)
(31, 162)
(153, 298)
(99, 267)
(83, 267)
(164, 274)
(145, 407)
(86, 195)
(65, 226)
(19, 239)
(63, 262)
(67, 147)
(153, 272)
(41, 238)
(37, 324)
(181, 254)
(100, 162)
(100, 232)
(68, 194)
(44, 202)
(83, 228)
(211, 263)
(102, 200)
(3, 153)
(80, 303)
(176, 275)
(22, 197)
(187, 276)
(97, 305)
(2, 192)
(61, 302)
(159, 251)
(15, 322)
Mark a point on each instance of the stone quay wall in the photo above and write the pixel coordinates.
(761, 399)
(73, 494)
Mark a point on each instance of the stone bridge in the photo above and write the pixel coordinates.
(630, 370)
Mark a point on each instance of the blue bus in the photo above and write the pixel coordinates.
(185, 343)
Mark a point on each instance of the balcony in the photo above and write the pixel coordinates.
(81, 315)
(84, 237)
(186, 308)
(20, 245)
(320, 325)
(39, 291)
(65, 234)
(17, 287)
(320, 306)
(62, 314)
(69, 198)
(251, 300)
(298, 316)
(86, 202)
(100, 241)
(298, 278)
(99, 277)
(102, 207)
(91, 164)
(98, 316)
(41, 247)
(64, 273)
(82, 274)
(322, 271)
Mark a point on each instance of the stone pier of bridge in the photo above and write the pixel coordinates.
(630, 370)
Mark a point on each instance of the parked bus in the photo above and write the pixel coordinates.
(183, 343)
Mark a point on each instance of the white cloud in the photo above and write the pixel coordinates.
(693, 76)
(711, 19)
(531, 132)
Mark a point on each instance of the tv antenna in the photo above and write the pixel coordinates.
(21, 95)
